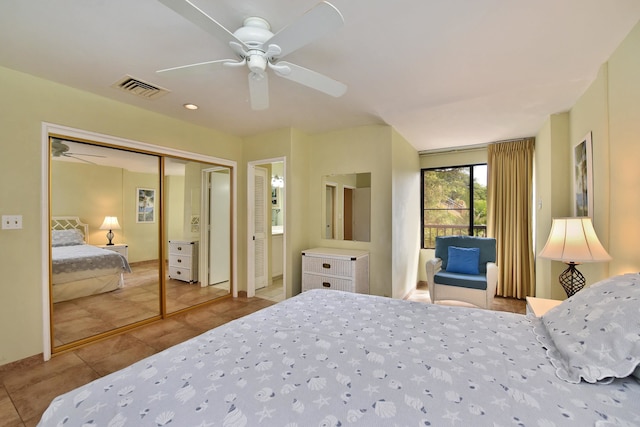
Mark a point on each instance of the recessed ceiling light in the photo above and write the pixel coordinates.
(191, 106)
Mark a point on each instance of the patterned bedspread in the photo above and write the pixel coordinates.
(329, 358)
(69, 261)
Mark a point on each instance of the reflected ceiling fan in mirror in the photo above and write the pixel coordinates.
(60, 149)
(258, 48)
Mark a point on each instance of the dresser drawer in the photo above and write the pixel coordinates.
(181, 248)
(328, 266)
(314, 281)
(180, 261)
(179, 273)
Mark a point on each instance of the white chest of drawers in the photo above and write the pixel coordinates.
(338, 269)
(121, 248)
(183, 260)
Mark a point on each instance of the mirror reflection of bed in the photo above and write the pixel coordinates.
(101, 181)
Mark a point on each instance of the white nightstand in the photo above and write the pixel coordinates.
(539, 306)
(121, 248)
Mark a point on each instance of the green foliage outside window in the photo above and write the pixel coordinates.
(447, 205)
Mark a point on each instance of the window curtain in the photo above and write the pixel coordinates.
(509, 215)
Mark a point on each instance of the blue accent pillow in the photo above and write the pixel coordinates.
(463, 260)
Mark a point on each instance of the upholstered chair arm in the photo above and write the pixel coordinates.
(492, 282)
(433, 266)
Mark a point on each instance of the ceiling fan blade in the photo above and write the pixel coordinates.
(78, 158)
(82, 154)
(310, 79)
(314, 24)
(200, 67)
(259, 91)
(197, 16)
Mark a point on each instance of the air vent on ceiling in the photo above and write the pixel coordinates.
(139, 88)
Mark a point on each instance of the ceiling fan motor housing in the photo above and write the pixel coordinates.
(254, 32)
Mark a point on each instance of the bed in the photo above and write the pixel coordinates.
(79, 269)
(331, 358)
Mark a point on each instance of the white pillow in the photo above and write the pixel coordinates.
(66, 238)
(596, 332)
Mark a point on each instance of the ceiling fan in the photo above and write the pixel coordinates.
(258, 48)
(60, 149)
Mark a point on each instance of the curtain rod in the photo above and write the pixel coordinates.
(454, 149)
(473, 147)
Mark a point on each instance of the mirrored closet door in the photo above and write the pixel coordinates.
(134, 236)
(197, 226)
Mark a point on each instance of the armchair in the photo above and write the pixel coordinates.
(463, 269)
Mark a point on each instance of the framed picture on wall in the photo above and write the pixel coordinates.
(275, 198)
(146, 205)
(583, 177)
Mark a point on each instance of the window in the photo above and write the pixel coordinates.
(454, 202)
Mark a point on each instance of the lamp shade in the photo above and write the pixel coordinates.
(110, 223)
(574, 240)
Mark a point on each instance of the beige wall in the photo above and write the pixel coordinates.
(610, 110)
(335, 153)
(25, 104)
(624, 151)
(552, 185)
(89, 192)
(175, 210)
(405, 216)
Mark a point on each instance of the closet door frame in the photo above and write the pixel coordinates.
(51, 128)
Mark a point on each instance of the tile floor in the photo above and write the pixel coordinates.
(273, 292)
(28, 386)
(421, 293)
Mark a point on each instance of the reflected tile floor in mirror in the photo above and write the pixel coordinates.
(137, 300)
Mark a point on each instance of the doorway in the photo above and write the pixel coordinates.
(266, 260)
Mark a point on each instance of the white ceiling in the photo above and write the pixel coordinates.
(443, 73)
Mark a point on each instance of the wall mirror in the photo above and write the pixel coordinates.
(166, 219)
(346, 207)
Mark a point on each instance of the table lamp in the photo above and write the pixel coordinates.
(110, 223)
(573, 241)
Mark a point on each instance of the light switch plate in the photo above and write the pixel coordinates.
(11, 222)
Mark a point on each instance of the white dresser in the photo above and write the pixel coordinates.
(121, 248)
(183, 260)
(338, 269)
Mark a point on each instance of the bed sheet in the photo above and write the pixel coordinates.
(335, 358)
(77, 262)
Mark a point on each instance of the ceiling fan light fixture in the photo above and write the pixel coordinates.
(257, 62)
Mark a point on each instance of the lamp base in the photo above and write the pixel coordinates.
(572, 280)
(110, 237)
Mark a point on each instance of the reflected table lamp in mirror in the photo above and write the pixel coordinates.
(110, 223)
(573, 241)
